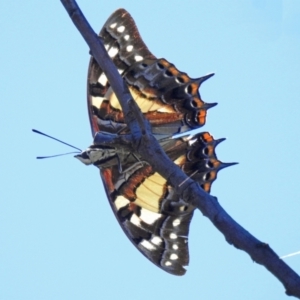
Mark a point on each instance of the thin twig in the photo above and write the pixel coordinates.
(150, 151)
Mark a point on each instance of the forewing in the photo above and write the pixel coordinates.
(168, 97)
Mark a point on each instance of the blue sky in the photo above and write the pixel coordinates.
(59, 238)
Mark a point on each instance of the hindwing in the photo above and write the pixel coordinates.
(169, 98)
(149, 211)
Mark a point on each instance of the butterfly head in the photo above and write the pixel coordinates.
(96, 155)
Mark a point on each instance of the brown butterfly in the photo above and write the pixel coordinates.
(149, 211)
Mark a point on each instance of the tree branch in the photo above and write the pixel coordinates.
(149, 149)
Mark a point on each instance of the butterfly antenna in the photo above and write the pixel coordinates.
(50, 156)
(53, 138)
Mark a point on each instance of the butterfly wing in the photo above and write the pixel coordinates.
(168, 97)
(149, 211)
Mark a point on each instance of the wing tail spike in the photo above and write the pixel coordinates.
(200, 80)
(209, 105)
(226, 165)
(219, 141)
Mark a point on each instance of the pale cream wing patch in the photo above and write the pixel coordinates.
(97, 101)
(150, 192)
(144, 104)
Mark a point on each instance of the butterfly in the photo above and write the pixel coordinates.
(151, 214)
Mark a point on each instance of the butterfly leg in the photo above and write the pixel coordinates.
(139, 164)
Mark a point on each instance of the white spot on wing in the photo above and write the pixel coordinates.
(148, 216)
(113, 25)
(135, 220)
(173, 236)
(112, 52)
(126, 37)
(129, 48)
(147, 245)
(168, 263)
(182, 208)
(156, 240)
(175, 247)
(102, 79)
(176, 222)
(121, 29)
(191, 142)
(121, 202)
(138, 58)
(173, 256)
